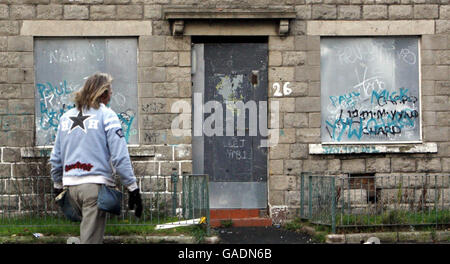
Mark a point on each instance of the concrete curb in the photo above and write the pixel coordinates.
(391, 237)
(149, 239)
(109, 239)
(159, 239)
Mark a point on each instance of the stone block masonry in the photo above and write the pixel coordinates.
(25, 173)
(164, 77)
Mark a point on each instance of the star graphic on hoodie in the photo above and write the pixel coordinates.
(78, 121)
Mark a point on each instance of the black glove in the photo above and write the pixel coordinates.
(56, 192)
(135, 199)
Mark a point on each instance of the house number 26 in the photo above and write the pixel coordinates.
(278, 92)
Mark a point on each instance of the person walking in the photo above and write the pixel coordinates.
(89, 146)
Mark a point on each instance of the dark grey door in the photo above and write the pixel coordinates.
(234, 78)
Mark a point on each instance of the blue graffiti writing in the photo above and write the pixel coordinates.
(348, 149)
(380, 122)
(349, 99)
(385, 97)
(126, 118)
(378, 114)
(50, 105)
(392, 124)
(45, 152)
(340, 127)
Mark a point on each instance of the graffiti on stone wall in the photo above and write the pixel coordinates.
(56, 99)
(63, 66)
(390, 115)
(349, 149)
(126, 118)
(370, 101)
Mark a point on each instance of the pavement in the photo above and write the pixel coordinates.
(260, 235)
(229, 235)
(422, 237)
(249, 235)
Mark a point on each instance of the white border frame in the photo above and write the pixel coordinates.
(63, 29)
(374, 28)
(420, 141)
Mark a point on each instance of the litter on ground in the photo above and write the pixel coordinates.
(182, 223)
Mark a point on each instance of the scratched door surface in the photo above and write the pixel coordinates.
(233, 159)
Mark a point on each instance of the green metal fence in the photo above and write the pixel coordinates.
(317, 193)
(375, 201)
(167, 199)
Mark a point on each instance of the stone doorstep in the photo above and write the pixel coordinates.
(233, 213)
(243, 222)
(389, 237)
(239, 217)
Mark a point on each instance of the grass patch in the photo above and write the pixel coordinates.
(25, 226)
(304, 226)
(54, 226)
(395, 217)
(226, 223)
(295, 225)
(393, 221)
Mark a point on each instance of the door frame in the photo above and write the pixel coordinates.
(198, 86)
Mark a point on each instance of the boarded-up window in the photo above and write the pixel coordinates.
(62, 65)
(370, 89)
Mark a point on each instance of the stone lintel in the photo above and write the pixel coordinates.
(231, 28)
(187, 14)
(370, 28)
(58, 28)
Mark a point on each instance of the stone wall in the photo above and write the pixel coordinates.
(164, 77)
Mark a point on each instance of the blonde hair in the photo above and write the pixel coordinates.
(93, 90)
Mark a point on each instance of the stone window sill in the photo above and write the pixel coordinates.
(333, 149)
(44, 151)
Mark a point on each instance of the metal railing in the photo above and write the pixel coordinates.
(375, 201)
(167, 199)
